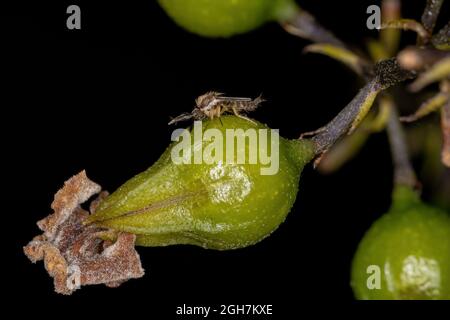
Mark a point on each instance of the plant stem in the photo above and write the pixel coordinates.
(431, 13)
(390, 38)
(441, 40)
(403, 170)
(301, 23)
(387, 73)
(340, 125)
(445, 120)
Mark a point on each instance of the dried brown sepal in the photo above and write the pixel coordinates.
(95, 203)
(76, 190)
(74, 254)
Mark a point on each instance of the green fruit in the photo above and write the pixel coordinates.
(224, 18)
(411, 247)
(217, 206)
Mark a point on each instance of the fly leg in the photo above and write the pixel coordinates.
(312, 133)
(220, 111)
(236, 113)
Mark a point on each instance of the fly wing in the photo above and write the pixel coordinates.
(254, 104)
(243, 104)
(239, 99)
(181, 117)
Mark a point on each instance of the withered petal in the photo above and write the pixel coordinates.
(75, 254)
(76, 190)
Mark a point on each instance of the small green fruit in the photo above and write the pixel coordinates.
(223, 18)
(218, 206)
(410, 247)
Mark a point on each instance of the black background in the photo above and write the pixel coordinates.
(100, 98)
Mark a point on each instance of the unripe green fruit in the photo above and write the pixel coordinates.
(223, 18)
(218, 206)
(411, 247)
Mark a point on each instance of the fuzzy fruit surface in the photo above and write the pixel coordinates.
(411, 246)
(221, 18)
(217, 206)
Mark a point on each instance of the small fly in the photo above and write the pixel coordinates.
(214, 104)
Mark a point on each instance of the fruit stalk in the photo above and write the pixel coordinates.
(340, 125)
(403, 170)
(387, 74)
(301, 23)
